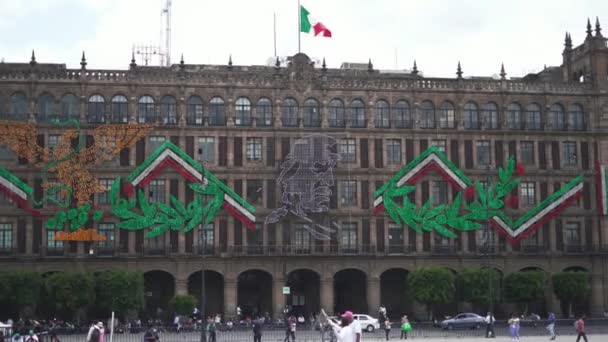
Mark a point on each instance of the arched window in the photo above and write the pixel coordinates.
(490, 116)
(427, 114)
(312, 116)
(96, 109)
(471, 116)
(119, 110)
(533, 120)
(289, 114)
(357, 114)
(557, 117)
(382, 114)
(18, 110)
(336, 113)
(263, 112)
(194, 111)
(168, 110)
(69, 107)
(446, 115)
(217, 112)
(242, 112)
(146, 109)
(401, 114)
(514, 119)
(46, 108)
(576, 117)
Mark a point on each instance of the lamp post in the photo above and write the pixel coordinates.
(204, 242)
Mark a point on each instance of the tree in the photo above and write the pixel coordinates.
(480, 286)
(571, 286)
(524, 287)
(120, 291)
(431, 286)
(25, 291)
(183, 305)
(71, 293)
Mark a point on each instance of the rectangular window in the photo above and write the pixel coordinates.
(347, 150)
(569, 150)
(440, 144)
(395, 238)
(486, 237)
(301, 236)
(254, 191)
(348, 237)
(206, 238)
(206, 149)
(54, 140)
(572, 234)
(156, 191)
(348, 195)
(528, 193)
(6, 153)
(483, 153)
(439, 192)
(104, 197)
(254, 149)
(155, 142)
(51, 243)
(6, 236)
(107, 230)
(393, 151)
(526, 149)
(5, 200)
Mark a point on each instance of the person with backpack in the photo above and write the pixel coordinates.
(551, 325)
(490, 320)
(211, 330)
(405, 327)
(580, 329)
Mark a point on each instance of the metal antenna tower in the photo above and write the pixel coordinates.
(165, 33)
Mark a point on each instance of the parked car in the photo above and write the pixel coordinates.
(367, 322)
(7, 329)
(464, 321)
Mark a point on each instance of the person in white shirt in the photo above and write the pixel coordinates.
(349, 331)
(490, 326)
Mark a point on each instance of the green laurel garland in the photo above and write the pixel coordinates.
(459, 215)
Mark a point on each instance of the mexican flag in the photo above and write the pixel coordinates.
(307, 22)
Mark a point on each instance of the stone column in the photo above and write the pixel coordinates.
(278, 298)
(230, 297)
(29, 236)
(373, 294)
(327, 295)
(181, 287)
(181, 195)
(598, 290)
(553, 303)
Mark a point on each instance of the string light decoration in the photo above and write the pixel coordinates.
(70, 163)
(474, 204)
(79, 235)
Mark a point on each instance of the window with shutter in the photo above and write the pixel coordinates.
(271, 188)
(498, 153)
(468, 154)
(555, 155)
(238, 151)
(454, 153)
(364, 194)
(380, 234)
(585, 155)
(285, 146)
(270, 155)
(409, 150)
(223, 151)
(378, 160)
(542, 155)
(140, 151)
(364, 150)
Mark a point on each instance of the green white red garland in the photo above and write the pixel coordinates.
(601, 182)
(17, 190)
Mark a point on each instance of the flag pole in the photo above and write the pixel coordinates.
(299, 24)
(274, 28)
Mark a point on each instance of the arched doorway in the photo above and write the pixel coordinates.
(159, 287)
(539, 306)
(304, 297)
(393, 292)
(350, 291)
(214, 289)
(254, 293)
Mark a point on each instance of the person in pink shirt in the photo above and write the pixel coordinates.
(580, 329)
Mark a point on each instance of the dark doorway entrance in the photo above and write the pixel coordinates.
(304, 297)
(214, 289)
(393, 292)
(254, 293)
(350, 291)
(159, 287)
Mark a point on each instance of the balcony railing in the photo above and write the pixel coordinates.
(444, 249)
(337, 123)
(402, 123)
(400, 249)
(358, 123)
(264, 122)
(488, 250)
(533, 249)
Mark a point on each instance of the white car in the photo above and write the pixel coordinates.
(367, 323)
(7, 329)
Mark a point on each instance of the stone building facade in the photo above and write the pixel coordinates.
(240, 122)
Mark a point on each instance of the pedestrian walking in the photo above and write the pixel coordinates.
(551, 325)
(96, 333)
(387, 328)
(405, 327)
(490, 320)
(211, 329)
(257, 330)
(580, 329)
(290, 329)
(348, 331)
(514, 328)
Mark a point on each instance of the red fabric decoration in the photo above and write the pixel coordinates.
(519, 169)
(378, 209)
(128, 189)
(513, 202)
(469, 192)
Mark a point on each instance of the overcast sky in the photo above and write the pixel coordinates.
(524, 34)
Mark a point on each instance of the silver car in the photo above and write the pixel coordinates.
(464, 321)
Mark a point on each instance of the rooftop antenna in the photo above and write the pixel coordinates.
(166, 38)
(146, 53)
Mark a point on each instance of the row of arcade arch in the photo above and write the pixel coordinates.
(254, 292)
